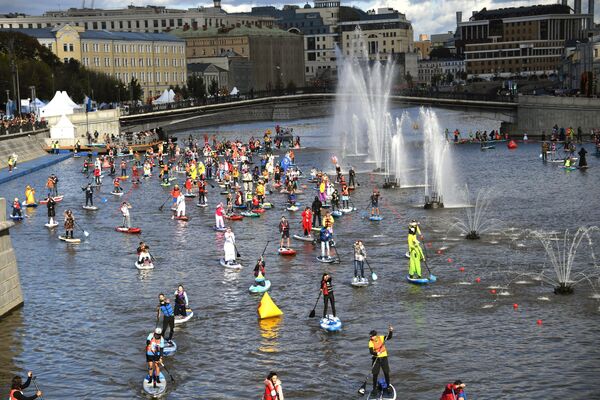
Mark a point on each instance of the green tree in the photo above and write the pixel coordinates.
(196, 86)
(449, 77)
(135, 90)
(213, 88)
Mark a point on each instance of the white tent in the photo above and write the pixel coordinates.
(168, 96)
(63, 129)
(234, 91)
(59, 105)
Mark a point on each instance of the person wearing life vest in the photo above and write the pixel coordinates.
(165, 173)
(201, 192)
(248, 198)
(260, 191)
(51, 206)
(175, 192)
(117, 185)
(273, 389)
(17, 386)
(155, 345)
(307, 221)
(380, 357)
(188, 185)
(416, 254)
(50, 186)
(327, 290)
(260, 272)
(165, 307)
(135, 178)
(89, 194)
(325, 236)
(16, 208)
(454, 391)
(181, 301)
(284, 230)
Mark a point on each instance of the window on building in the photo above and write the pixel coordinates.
(128, 24)
(65, 47)
(95, 25)
(66, 60)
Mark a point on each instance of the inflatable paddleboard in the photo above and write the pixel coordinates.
(284, 251)
(117, 193)
(234, 217)
(375, 217)
(182, 218)
(219, 229)
(382, 396)
(74, 241)
(359, 282)
(347, 210)
(16, 217)
(330, 323)
(54, 225)
(235, 266)
(170, 349)
(155, 391)
(266, 205)
(259, 288)
(304, 238)
(145, 266)
(190, 195)
(337, 213)
(123, 177)
(165, 184)
(326, 259)
(128, 230)
(421, 281)
(188, 315)
(55, 198)
(240, 206)
(258, 210)
(292, 208)
(201, 205)
(90, 208)
(250, 214)
(29, 205)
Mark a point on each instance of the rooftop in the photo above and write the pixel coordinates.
(512, 12)
(50, 33)
(232, 32)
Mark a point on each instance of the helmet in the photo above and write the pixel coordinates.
(158, 331)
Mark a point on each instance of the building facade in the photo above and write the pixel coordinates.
(133, 19)
(423, 47)
(275, 56)
(155, 60)
(518, 41)
(439, 71)
(580, 67)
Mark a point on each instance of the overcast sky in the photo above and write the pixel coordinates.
(427, 16)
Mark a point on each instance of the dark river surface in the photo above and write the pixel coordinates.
(88, 310)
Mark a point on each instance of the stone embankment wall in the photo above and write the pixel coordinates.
(539, 113)
(11, 295)
(27, 146)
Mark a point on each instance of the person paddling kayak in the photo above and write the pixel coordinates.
(155, 345)
(380, 357)
(164, 307)
(273, 389)
(17, 386)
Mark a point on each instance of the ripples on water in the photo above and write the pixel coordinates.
(87, 309)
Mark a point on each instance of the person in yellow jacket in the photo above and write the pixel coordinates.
(200, 169)
(193, 172)
(416, 254)
(260, 191)
(380, 357)
(29, 195)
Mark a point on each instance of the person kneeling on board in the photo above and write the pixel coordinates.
(260, 272)
(155, 345)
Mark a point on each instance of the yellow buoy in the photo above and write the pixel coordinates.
(267, 308)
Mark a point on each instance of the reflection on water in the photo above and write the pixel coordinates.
(269, 330)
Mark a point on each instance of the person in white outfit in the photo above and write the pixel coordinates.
(125, 212)
(229, 247)
(180, 205)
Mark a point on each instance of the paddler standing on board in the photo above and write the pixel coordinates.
(380, 357)
(69, 224)
(29, 195)
(416, 254)
(125, 206)
(51, 205)
(155, 345)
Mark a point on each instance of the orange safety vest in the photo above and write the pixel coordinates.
(153, 346)
(12, 394)
(378, 346)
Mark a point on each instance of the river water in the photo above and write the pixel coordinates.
(88, 310)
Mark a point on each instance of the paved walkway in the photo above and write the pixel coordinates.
(28, 167)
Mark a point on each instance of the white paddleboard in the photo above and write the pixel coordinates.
(169, 349)
(143, 267)
(180, 320)
(90, 208)
(304, 238)
(50, 226)
(330, 323)
(74, 241)
(382, 396)
(235, 266)
(359, 282)
(155, 391)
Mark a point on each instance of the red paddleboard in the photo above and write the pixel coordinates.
(56, 199)
(287, 251)
(235, 217)
(130, 230)
(258, 210)
(183, 218)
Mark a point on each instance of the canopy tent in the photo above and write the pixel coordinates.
(234, 91)
(59, 105)
(168, 96)
(32, 106)
(63, 129)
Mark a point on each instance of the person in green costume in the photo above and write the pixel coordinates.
(416, 254)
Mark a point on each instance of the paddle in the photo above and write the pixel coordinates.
(361, 389)
(339, 260)
(373, 274)
(163, 204)
(238, 255)
(85, 233)
(312, 313)
(426, 265)
(37, 388)
(265, 249)
(165, 368)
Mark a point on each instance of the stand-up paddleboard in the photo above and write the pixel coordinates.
(375, 217)
(330, 323)
(117, 193)
(29, 205)
(56, 199)
(179, 319)
(144, 266)
(224, 193)
(16, 217)
(250, 214)
(219, 228)
(182, 218)
(173, 178)
(256, 288)
(90, 208)
(381, 395)
(165, 184)
(201, 205)
(239, 206)
(304, 238)
(292, 208)
(347, 210)
(316, 229)
(286, 251)
(357, 281)
(337, 213)
(128, 230)
(50, 226)
(155, 391)
(170, 348)
(266, 205)
(190, 195)
(234, 217)
(326, 206)
(65, 239)
(227, 265)
(421, 281)
(326, 259)
(124, 177)
(258, 210)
